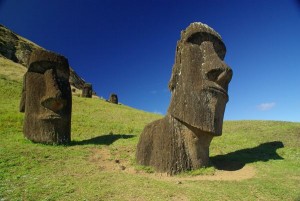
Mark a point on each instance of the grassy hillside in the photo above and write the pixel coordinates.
(255, 160)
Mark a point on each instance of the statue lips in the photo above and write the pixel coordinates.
(219, 90)
(52, 116)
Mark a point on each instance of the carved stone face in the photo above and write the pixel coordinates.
(47, 99)
(113, 98)
(200, 79)
(87, 90)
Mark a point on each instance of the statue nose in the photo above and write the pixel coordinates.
(224, 78)
(54, 104)
(221, 76)
(53, 96)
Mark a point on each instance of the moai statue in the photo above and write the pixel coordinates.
(199, 84)
(46, 99)
(113, 98)
(87, 90)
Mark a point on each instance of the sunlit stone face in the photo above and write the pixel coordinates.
(47, 99)
(200, 78)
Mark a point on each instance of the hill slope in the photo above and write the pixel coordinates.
(255, 160)
(18, 49)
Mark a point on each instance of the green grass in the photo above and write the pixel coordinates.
(30, 171)
(11, 70)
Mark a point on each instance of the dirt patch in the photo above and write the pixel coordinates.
(106, 161)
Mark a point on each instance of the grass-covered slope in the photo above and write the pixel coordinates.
(99, 163)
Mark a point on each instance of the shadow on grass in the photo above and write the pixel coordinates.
(103, 139)
(238, 159)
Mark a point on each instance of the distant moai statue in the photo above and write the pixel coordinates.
(87, 90)
(199, 84)
(46, 99)
(113, 98)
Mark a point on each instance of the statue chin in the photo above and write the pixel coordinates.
(205, 114)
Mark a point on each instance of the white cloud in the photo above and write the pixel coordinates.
(266, 106)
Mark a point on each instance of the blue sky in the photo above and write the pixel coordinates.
(128, 47)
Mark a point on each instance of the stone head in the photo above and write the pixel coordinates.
(200, 78)
(87, 90)
(46, 98)
(113, 98)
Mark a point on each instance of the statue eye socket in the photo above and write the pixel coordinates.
(195, 41)
(198, 38)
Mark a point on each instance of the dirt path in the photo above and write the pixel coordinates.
(106, 162)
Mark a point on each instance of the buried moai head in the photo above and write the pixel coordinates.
(113, 98)
(200, 78)
(87, 90)
(46, 99)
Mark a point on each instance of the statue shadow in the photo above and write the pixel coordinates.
(238, 159)
(107, 139)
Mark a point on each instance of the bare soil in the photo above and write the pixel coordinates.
(106, 161)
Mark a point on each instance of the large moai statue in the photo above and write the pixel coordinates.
(199, 84)
(46, 99)
(87, 90)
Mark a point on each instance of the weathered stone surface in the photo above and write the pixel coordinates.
(199, 84)
(87, 90)
(46, 99)
(113, 98)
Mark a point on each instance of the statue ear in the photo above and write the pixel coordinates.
(174, 78)
(176, 68)
(23, 95)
